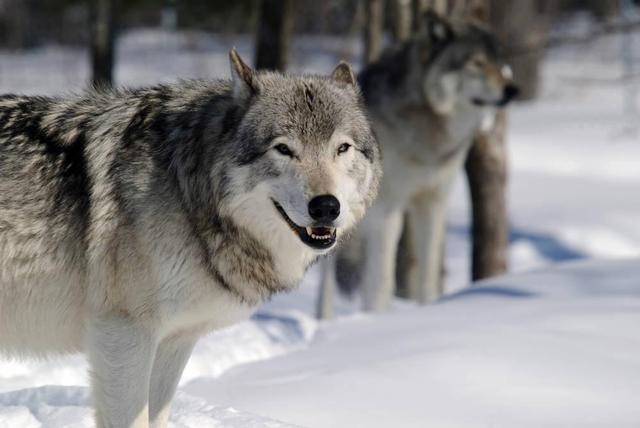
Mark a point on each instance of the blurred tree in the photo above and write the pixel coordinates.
(374, 24)
(418, 9)
(402, 19)
(274, 34)
(522, 30)
(169, 16)
(218, 15)
(486, 169)
(599, 8)
(18, 29)
(102, 18)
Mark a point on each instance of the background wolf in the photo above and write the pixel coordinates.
(426, 98)
(131, 222)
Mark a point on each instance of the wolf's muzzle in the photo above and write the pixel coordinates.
(320, 236)
(510, 92)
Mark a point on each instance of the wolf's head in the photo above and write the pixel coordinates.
(461, 65)
(305, 161)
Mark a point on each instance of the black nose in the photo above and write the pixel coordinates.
(325, 208)
(510, 92)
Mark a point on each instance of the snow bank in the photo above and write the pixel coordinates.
(69, 407)
(556, 348)
(26, 402)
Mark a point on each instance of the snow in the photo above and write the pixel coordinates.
(69, 407)
(550, 348)
(554, 344)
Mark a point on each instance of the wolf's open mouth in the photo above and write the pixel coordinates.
(479, 102)
(318, 237)
(482, 103)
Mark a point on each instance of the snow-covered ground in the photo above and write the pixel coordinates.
(553, 347)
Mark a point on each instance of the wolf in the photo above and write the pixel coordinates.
(134, 221)
(426, 98)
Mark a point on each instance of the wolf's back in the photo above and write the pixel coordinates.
(43, 176)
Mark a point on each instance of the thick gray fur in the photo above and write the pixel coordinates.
(134, 220)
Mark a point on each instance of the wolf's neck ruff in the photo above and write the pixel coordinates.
(243, 265)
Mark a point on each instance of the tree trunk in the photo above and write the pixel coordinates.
(374, 24)
(440, 6)
(419, 8)
(274, 34)
(521, 27)
(19, 24)
(402, 20)
(486, 169)
(102, 41)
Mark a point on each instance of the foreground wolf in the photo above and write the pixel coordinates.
(132, 222)
(426, 99)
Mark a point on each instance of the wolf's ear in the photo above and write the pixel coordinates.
(343, 73)
(244, 84)
(437, 28)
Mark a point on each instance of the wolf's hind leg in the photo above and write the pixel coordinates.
(121, 354)
(171, 358)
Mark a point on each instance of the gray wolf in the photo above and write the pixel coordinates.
(134, 221)
(426, 98)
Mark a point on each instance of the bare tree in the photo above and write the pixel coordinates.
(102, 20)
(374, 24)
(19, 23)
(402, 19)
(274, 34)
(440, 6)
(486, 169)
(522, 27)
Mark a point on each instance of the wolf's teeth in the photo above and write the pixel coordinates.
(328, 233)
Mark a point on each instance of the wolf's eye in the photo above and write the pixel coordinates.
(478, 63)
(344, 148)
(284, 150)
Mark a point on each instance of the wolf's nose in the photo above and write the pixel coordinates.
(324, 208)
(510, 92)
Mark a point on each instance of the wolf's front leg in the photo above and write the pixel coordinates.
(382, 236)
(171, 358)
(427, 214)
(121, 353)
